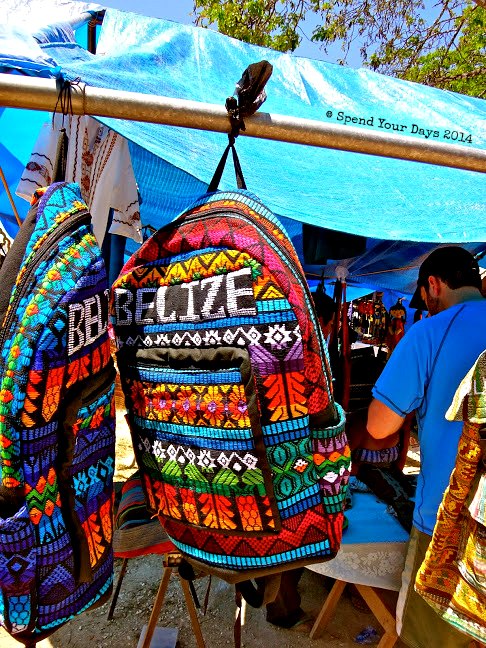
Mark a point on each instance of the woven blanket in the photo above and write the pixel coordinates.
(136, 532)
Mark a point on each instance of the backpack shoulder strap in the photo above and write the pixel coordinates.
(13, 260)
(216, 179)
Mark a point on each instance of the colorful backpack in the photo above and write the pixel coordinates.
(226, 377)
(452, 577)
(57, 439)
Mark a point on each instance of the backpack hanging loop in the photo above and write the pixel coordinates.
(65, 103)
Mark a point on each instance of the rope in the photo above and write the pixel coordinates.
(64, 98)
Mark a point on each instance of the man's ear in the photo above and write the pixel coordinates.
(435, 286)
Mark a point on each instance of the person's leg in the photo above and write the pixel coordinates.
(418, 625)
(285, 611)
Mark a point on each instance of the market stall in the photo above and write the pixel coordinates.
(333, 182)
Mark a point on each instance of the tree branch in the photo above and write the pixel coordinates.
(464, 75)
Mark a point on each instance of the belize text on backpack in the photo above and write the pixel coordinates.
(56, 420)
(226, 376)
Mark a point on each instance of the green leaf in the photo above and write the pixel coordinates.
(444, 47)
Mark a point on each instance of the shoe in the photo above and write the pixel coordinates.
(290, 621)
(304, 625)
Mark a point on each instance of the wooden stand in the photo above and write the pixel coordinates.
(159, 600)
(375, 599)
(170, 562)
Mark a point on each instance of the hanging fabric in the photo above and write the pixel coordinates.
(5, 243)
(452, 577)
(98, 159)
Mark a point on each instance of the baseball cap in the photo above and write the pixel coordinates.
(454, 265)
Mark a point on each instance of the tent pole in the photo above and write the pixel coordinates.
(41, 94)
(12, 204)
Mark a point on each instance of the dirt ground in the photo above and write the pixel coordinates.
(93, 630)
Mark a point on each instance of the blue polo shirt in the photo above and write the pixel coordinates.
(422, 375)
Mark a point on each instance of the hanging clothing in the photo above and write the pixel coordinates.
(5, 243)
(394, 333)
(98, 159)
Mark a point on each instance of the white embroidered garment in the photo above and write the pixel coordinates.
(377, 564)
(5, 243)
(98, 159)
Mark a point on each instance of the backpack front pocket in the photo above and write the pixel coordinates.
(197, 436)
(88, 474)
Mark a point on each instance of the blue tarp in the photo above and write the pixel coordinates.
(362, 194)
(19, 129)
(376, 197)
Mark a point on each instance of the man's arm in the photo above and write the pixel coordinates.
(382, 421)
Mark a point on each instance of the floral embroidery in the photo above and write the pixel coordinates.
(138, 398)
(186, 406)
(98, 417)
(237, 407)
(161, 402)
(88, 158)
(213, 406)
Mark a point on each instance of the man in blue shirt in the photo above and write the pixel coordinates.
(422, 375)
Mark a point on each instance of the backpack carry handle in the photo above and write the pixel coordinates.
(216, 179)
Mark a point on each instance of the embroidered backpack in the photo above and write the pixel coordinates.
(452, 577)
(226, 377)
(57, 421)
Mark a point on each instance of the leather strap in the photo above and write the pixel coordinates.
(216, 179)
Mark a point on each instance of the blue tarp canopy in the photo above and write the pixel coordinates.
(403, 208)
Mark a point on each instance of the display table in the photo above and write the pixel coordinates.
(371, 556)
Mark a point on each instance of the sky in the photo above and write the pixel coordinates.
(181, 11)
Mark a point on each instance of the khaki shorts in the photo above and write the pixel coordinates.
(418, 625)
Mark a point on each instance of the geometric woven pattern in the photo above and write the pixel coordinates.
(226, 378)
(452, 577)
(56, 423)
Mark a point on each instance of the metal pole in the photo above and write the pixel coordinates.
(41, 94)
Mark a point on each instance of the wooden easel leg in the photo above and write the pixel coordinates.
(327, 609)
(237, 627)
(159, 599)
(121, 576)
(388, 640)
(384, 617)
(196, 628)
